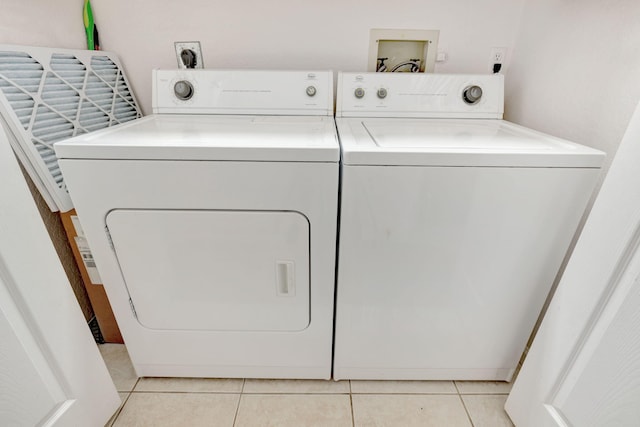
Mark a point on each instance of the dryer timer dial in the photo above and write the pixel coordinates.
(183, 90)
(472, 94)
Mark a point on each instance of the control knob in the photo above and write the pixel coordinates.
(382, 93)
(472, 94)
(183, 90)
(359, 93)
(311, 90)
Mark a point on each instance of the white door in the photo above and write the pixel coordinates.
(202, 276)
(584, 365)
(51, 372)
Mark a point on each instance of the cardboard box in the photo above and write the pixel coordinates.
(91, 278)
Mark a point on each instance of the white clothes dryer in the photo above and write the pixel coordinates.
(454, 224)
(213, 223)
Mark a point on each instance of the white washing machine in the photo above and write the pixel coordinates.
(213, 223)
(453, 225)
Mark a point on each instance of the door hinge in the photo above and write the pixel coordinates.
(133, 309)
(106, 230)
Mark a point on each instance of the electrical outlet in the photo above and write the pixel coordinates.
(189, 55)
(497, 60)
(441, 56)
(498, 55)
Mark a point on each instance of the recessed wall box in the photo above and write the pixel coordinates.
(189, 54)
(403, 50)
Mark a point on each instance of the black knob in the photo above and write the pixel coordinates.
(472, 94)
(183, 90)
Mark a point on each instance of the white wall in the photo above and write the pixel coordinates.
(297, 34)
(43, 23)
(572, 69)
(575, 71)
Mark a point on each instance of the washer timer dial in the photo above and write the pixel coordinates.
(472, 94)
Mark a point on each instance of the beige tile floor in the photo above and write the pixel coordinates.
(193, 402)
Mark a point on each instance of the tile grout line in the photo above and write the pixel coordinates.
(464, 406)
(262, 393)
(394, 393)
(235, 416)
(135, 385)
(477, 393)
(353, 417)
(465, 409)
(121, 408)
(288, 393)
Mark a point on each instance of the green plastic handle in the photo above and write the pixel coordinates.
(89, 26)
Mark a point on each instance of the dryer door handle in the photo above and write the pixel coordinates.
(285, 278)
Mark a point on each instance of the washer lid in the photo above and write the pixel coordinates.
(191, 137)
(456, 142)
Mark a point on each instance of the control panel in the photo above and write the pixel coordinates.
(420, 95)
(204, 91)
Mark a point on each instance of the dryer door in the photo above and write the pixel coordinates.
(214, 270)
